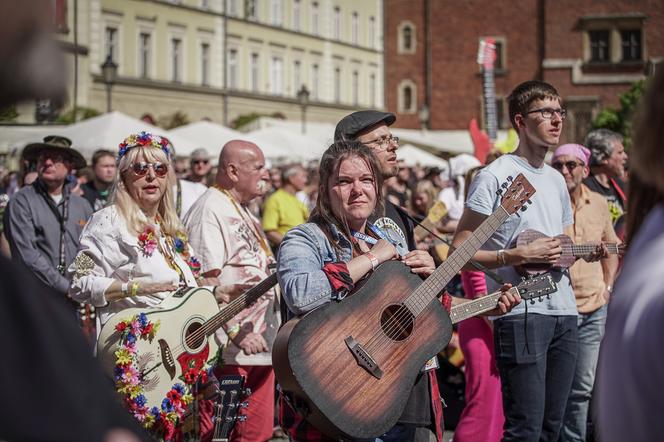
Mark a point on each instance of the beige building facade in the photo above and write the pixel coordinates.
(221, 59)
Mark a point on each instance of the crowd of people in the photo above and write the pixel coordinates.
(135, 225)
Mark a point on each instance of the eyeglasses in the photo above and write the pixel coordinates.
(56, 157)
(547, 112)
(571, 165)
(384, 142)
(141, 169)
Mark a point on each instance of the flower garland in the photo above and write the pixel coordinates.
(128, 380)
(144, 139)
(181, 246)
(147, 240)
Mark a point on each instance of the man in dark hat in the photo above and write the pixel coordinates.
(44, 220)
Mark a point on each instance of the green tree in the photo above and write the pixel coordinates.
(620, 120)
(8, 114)
(243, 120)
(173, 120)
(80, 113)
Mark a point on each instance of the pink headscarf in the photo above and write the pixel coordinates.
(573, 150)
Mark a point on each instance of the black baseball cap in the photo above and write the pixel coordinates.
(353, 124)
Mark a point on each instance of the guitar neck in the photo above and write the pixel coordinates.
(238, 304)
(435, 283)
(490, 104)
(477, 306)
(580, 250)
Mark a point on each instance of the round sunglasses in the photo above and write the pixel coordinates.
(141, 169)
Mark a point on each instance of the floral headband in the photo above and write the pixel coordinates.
(144, 139)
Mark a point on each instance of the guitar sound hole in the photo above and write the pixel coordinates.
(397, 322)
(194, 340)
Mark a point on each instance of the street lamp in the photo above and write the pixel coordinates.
(303, 98)
(424, 117)
(109, 71)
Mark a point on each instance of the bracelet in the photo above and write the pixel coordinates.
(609, 288)
(373, 259)
(233, 331)
(500, 257)
(134, 288)
(125, 289)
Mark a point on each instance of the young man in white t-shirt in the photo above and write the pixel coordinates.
(535, 352)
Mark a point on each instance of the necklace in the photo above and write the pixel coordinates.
(252, 226)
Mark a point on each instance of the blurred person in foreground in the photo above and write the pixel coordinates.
(631, 365)
(592, 282)
(134, 253)
(34, 324)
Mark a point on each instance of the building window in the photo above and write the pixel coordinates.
(372, 90)
(337, 85)
(232, 69)
(277, 76)
(407, 98)
(250, 9)
(630, 40)
(232, 7)
(371, 32)
(111, 42)
(205, 64)
(314, 81)
(254, 70)
(314, 18)
(297, 76)
(354, 28)
(297, 25)
(599, 46)
(144, 50)
(336, 23)
(275, 12)
(406, 38)
(176, 59)
(356, 88)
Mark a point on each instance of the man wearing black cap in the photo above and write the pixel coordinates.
(43, 221)
(422, 415)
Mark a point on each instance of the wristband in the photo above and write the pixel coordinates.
(125, 289)
(134, 288)
(233, 331)
(500, 257)
(373, 259)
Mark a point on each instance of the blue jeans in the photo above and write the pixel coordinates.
(536, 370)
(591, 330)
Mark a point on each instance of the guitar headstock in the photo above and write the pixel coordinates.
(486, 53)
(227, 405)
(516, 194)
(537, 287)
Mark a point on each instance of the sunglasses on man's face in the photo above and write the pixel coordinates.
(141, 169)
(571, 165)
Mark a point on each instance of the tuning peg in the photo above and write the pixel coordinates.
(246, 392)
(532, 301)
(244, 405)
(529, 201)
(510, 179)
(241, 418)
(499, 192)
(504, 186)
(523, 209)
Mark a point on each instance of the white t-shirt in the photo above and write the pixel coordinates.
(190, 192)
(549, 213)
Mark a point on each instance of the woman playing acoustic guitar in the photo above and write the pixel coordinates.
(322, 261)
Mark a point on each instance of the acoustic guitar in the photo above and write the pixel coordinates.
(231, 393)
(353, 363)
(568, 256)
(189, 317)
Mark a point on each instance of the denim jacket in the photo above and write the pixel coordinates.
(302, 255)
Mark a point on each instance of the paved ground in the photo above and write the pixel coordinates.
(447, 437)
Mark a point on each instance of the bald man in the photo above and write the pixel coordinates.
(235, 254)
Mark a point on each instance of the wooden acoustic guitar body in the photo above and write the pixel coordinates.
(566, 259)
(313, 361)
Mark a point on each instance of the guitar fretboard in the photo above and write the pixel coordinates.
(435, 283)
(477, 306)
(490, 104)
(580, 250)
(238, 304)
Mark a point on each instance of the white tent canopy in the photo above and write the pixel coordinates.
(211, 136)
(108, 130)
(297, 146)
(413, 156)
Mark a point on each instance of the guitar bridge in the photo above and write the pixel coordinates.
(167, 358)
(363, 358)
